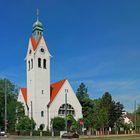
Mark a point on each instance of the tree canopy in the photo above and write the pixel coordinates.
(82, 92)
(14, 108)
(58, 124)
(98, 113)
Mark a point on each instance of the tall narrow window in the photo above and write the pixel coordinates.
(31, 63)
(42, 91)
(39, 62)
(28, 65)
(42, 113)
(44, 63)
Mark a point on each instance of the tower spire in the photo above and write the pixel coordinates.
(37, 14)
(37, 27)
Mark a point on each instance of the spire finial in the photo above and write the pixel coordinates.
(37, 13)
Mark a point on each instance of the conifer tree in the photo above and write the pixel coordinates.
(82, 92)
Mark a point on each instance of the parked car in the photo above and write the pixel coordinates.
(70, 135)
(2, 133)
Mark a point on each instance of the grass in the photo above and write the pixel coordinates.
(127, 137)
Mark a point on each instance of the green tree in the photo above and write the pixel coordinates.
(72, 123)
(82, 92)
(20, 112)
(137, 115)
(114, 109)
(25, 123)
(100, 115)
(58, 124)
(11, 92)
(88, 112)
(95, 116)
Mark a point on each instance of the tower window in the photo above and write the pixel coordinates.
(31, 63)
(28, 65)
(44, 63)
(42, 91)
(30, 51)
(42, 113)
(39, 62)
(42, 50)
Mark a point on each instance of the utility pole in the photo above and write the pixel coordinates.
(66, 90)
(31, 119)
(135, 117)
(5, 124)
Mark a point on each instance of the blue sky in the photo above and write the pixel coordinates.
(95, 42)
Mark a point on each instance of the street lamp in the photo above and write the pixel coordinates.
(5, 124)
(66, 91)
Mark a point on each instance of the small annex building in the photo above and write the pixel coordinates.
(43, 101)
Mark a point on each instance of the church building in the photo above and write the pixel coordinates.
(43, 101)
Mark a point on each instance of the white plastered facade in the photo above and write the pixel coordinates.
(38, 82)
(21, 99)
(60, 100)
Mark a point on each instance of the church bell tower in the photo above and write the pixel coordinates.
(38, 76)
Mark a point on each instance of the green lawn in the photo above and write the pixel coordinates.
(133, 137)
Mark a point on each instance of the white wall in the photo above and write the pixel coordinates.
(60, 99)
(21, 99)
(38, 79)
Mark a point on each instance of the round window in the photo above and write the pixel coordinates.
(42, 50)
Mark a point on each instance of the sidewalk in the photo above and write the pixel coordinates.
(114, 135)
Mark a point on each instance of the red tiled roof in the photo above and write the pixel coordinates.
(34, 43)
(55, 87)
(24, 93)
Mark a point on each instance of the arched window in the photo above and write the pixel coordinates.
(44, 63)
(31, 63)
(42, 126)
(42, 113)
(39, 62)
(70, 110)
(28, 65)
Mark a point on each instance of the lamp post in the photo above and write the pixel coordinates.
(135, 116)
(31, 119)
(5, 124)
(66, 91)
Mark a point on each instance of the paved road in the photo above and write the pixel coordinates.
(29, 138)
(57, 138)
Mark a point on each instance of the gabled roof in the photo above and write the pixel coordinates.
(55, 87)
(34, 43)
(24, 94)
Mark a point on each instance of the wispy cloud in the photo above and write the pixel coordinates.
(16, 74)
(124, 91)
